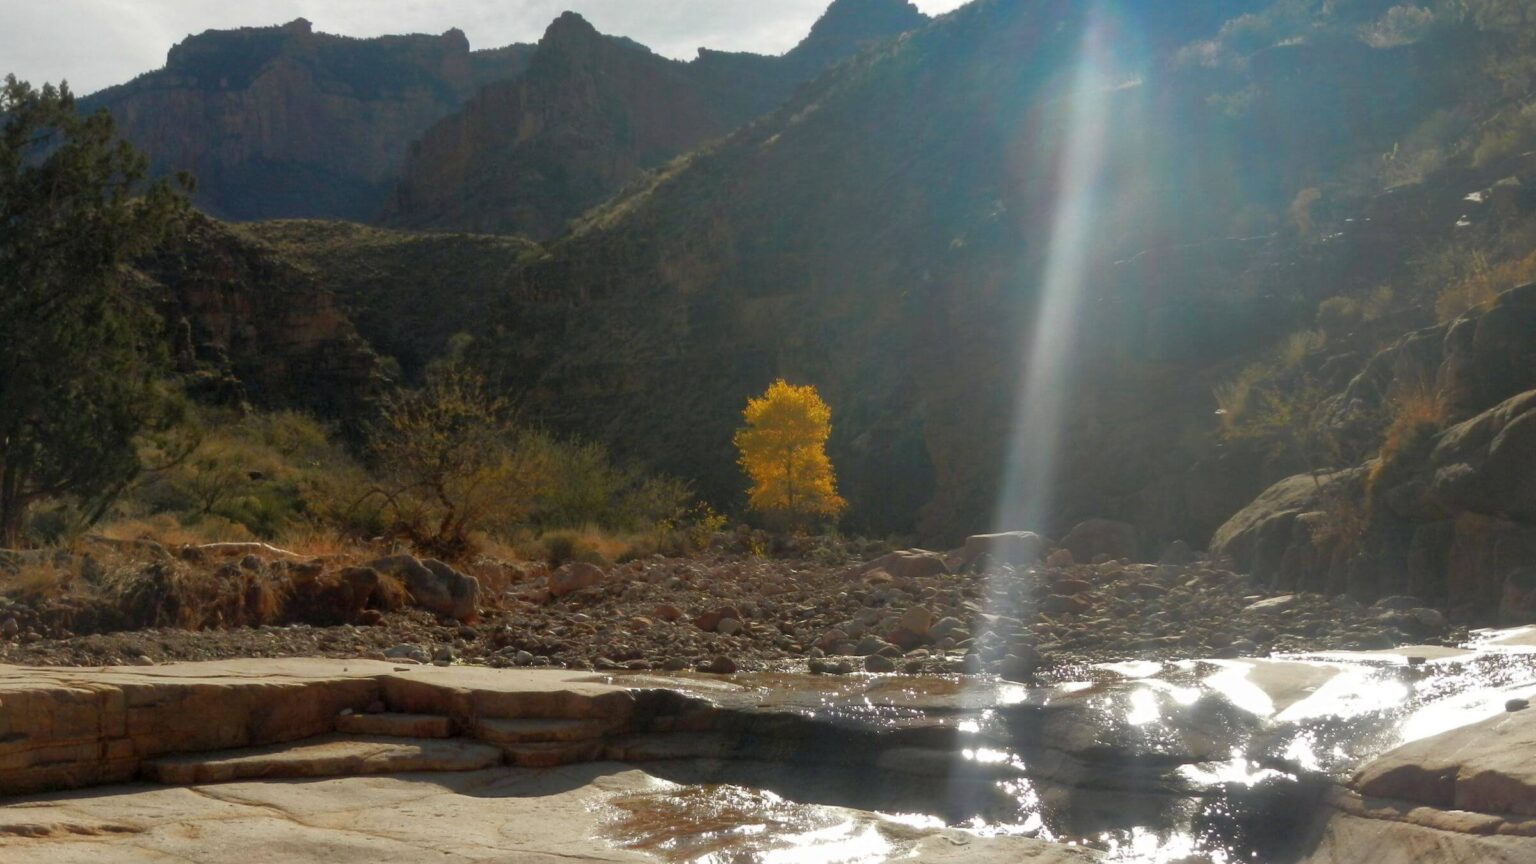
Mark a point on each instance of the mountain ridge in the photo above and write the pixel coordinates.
(591, 113)
(285, 121)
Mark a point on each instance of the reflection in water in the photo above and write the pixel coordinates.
(1156, 778)
(733, 825)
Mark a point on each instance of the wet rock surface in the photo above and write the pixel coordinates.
(1244, 759)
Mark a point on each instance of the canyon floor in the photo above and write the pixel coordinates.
(906, 612)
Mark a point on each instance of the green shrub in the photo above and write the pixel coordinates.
(1338, 316)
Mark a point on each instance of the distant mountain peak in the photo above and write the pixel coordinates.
(569, 26)
(850, 25)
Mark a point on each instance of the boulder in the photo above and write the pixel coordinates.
(917, 620)
(1176, 553)
(718, 665)
(945, 627)
(1487, 767)
(710, 621)
(433, 585)
(908, 564)
(354, 588)
(573, 577)
(1015, 548)
(1094, 537)
(1517, 603)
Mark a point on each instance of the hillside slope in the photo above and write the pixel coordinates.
(408, 294)
(886, 236)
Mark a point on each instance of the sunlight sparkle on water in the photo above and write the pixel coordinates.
(1144, 708)
(1237, 770)
(1349, 694)
(1233, 682)
(838, 844)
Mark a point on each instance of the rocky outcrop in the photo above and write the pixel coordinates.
(1445, 515)
(284, 121)
(251, 326)
(593, 112)
(1464, 795)
(408, 294)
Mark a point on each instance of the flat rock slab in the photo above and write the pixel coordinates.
(562, 815)
(1355, 840)
(66, 728)
(329, 756)
(396, 725)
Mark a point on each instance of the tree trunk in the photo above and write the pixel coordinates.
(13, 508)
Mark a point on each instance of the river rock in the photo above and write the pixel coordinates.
(945, 628)
(909, 564)
(1059, 604)
(573, 577)
(917, 620)
(719, 665)
(710, 621)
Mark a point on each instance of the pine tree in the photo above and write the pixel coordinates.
(78, 346)
(783, 452)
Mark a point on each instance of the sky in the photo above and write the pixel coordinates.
(98, 43)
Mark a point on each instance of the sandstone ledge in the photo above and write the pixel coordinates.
(72, 728)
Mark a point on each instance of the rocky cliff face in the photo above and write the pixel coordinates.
(593, 112)
(1446, 512)
(283, 121)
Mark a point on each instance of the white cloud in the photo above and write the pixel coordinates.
(97, 43)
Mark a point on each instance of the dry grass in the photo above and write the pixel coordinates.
(166, 530)
(1417, 414)
(391, 594)
(38, 581)
(318, 543)
(1482, 284)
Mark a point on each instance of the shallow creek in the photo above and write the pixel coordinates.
(1192, 761)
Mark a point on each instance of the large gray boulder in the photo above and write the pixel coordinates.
(1015, 548)
(434, 586)
(1255, 539)
(1488, 464)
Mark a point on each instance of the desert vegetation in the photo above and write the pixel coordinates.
(100, 438)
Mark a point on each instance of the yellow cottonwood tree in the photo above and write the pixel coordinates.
(783, 452)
